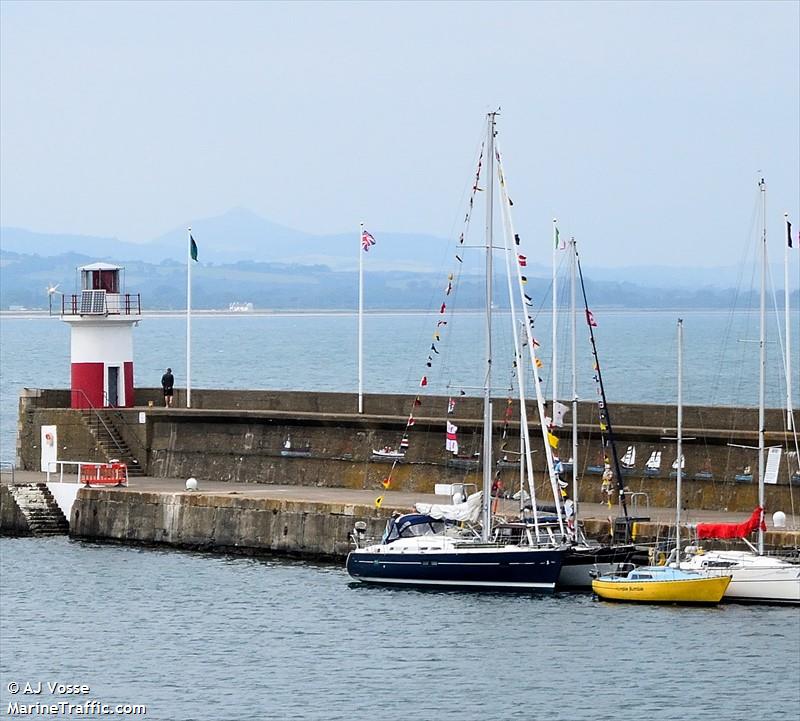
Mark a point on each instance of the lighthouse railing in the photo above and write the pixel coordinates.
(99, 302)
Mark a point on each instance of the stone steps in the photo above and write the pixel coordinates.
(40, 509)
(110, 441)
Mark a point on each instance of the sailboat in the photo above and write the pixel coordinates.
(679, 464)
(756, 577)
(669, 583)
(628, 461)
(653, 466)
(442, 545)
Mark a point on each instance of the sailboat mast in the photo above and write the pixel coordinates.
(762, 358)
(788, 323)
(487, 388)
(680, 446)
(554, 369)
(605, 416)
(574, 323)
(360, 320)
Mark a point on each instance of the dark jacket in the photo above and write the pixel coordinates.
(167, 381)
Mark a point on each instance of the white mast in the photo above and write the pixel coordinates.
(487, 387)
(361, 320)
(574, 388)
(538, 387)
(762, 359)
(680, 446)
(526, 459)
(554, 370)
(787, 320)
(189, 319)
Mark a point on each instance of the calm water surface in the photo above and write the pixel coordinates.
(199, 637)
(318, 353)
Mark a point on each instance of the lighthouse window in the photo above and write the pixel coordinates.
(105, 280)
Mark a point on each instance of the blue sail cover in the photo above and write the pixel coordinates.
(411, 524)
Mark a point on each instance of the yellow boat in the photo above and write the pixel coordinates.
(661, 584)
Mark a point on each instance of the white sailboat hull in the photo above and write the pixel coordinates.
(755, 579)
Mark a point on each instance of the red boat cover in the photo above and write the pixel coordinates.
(733, 530)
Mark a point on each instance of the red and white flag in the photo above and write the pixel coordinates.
(523, 260)
(590, 319)
(423, 382)
(451, 444)
(366, 240)
(451, 405)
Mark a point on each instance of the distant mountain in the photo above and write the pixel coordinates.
(241, 235)
(291, 286)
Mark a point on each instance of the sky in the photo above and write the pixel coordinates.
(643, 127)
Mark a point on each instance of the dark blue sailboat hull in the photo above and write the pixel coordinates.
(528, 570)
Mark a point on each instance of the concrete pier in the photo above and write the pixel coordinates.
(312, 522)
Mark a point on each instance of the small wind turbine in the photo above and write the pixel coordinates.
(51, 290)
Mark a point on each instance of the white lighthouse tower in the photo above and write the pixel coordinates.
(101, 319)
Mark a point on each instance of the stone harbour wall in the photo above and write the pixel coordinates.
(219, 522)
(240, 435)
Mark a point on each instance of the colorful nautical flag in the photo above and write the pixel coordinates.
(559, 410)
(539, 363)
(559, 244)
(387, 482)
(590, 319)
(417, 401)
(433, 348)
(193, 248)
(378, 501)
(443, 308)
(523, 260)
(423, 382)
(366, 240)
(516, 238)
(524, 279)
(404, 443)
(552, 440)
(411, 421)
(451, 443)
(451, 405)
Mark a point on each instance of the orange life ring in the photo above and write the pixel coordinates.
(48, 437)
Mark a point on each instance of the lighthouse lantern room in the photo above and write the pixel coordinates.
(101, 318)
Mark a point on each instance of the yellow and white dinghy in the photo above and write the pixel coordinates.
(661, 584)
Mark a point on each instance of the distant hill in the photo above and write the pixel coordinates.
(288, 286)
(246, 258)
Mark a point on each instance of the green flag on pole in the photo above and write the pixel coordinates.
(193, 249)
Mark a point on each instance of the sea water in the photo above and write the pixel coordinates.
(198, 637)
(318, 352)
(193, 636)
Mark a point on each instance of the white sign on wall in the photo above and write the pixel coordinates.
(49, 446)
(773, 465)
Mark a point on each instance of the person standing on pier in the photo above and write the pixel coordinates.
(167, 384)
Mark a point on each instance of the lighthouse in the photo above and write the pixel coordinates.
(101, 318)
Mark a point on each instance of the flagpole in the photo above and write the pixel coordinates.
(554, 370)
(361, 321)
(789, 413)
(189, 319)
